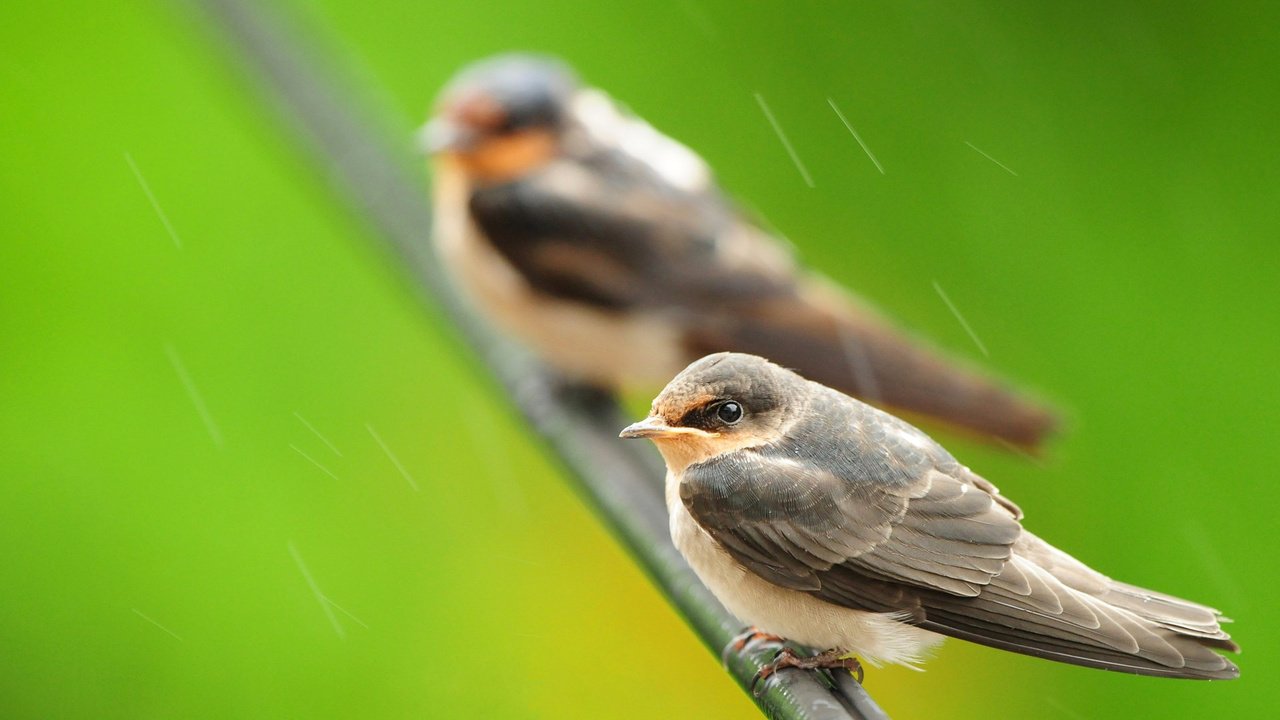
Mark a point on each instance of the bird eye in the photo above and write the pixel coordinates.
(729, 412)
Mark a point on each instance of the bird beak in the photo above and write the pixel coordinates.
(657, 428)
(649, 427)
(441, 135)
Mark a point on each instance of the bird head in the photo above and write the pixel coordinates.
(721, 403)
(502, 117)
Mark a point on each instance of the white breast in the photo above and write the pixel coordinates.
(875, 638)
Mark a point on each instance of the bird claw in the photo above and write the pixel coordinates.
(745, 639)
(833, 659)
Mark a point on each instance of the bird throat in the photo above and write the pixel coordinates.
(505, 158)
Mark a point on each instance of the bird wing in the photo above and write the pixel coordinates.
(862, 510)
(609, 231)
(875, 496)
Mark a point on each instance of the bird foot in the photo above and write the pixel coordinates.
(833, 659)
(748, 636)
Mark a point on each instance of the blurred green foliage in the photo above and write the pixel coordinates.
(1128, 271)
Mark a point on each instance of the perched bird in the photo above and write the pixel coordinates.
(608, 248)
(815, 517)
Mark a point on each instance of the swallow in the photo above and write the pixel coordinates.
(815, 517)
(607, 247)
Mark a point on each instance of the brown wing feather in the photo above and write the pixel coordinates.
(605, 230)
(629, 244)
(827, 338)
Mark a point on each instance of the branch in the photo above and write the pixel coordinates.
(622, 480)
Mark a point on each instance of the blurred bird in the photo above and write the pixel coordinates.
(607, 247)
(817, 518)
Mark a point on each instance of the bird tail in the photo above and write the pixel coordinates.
(1047, 604)
(821, 334)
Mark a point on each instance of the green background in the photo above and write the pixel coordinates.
(154, 562)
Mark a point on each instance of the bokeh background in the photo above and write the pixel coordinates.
(208, 374)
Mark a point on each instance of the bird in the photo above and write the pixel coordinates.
(817, 518)
(607, 248)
